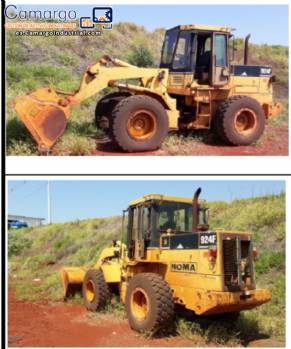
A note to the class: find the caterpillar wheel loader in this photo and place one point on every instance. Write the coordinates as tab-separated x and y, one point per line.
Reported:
195	87
169	256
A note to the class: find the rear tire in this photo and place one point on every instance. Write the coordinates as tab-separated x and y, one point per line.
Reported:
149	303
240	120
105	106
139	123
95	290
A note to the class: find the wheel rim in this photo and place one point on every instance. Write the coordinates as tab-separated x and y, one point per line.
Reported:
142	124
139	304
245	121
90	291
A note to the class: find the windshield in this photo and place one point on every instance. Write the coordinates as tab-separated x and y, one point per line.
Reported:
169	46
176	216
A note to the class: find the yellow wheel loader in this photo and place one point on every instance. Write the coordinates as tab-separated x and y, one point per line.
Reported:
195	87
169	256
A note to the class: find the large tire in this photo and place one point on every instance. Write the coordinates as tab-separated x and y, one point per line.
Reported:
95	290
139	123
240	120
105	106
149	303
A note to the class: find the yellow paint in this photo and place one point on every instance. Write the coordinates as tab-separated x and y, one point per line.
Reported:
195	277
111	271
110	266
209	302
206	27
160	197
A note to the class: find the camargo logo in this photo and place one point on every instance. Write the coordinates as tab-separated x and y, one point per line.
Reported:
183	267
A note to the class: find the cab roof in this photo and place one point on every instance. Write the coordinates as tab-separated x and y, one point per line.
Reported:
160	197
212	28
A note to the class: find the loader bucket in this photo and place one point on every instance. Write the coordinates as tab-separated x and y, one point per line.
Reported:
43	116
72	279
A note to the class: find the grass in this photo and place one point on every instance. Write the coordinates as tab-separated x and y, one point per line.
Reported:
34	62
264	216
283	118
182	143
37	254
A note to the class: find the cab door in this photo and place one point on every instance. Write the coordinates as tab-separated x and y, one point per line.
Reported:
139	250
220	70
138	231
182	68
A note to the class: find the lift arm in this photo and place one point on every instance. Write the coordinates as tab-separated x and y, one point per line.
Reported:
45	112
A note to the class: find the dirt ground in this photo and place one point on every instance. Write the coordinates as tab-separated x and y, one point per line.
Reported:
58	324
273	142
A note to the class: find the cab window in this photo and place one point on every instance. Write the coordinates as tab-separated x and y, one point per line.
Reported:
176	216
220	50
169	47
134	224
182	57
146	221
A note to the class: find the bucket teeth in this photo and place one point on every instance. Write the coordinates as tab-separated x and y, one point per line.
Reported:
42	115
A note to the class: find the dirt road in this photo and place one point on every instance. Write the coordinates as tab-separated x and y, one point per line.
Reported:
273	142
56	324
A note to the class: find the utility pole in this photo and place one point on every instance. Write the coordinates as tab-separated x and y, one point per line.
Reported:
49	218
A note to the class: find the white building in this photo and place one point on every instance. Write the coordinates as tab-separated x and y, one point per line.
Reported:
30	221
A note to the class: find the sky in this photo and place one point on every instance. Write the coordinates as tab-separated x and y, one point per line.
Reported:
266	23
72	200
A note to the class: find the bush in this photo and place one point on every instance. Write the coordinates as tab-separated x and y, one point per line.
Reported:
268	260
17	244
35	263
15	53
141	56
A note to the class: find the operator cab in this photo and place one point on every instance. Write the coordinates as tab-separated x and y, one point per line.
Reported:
198	50
154	215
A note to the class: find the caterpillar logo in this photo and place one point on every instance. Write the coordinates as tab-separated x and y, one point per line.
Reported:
183	267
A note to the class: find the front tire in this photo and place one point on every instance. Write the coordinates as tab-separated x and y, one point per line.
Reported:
139	123
240	120
149	303
95	290
105	106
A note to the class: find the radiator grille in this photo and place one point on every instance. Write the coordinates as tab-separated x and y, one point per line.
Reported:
177	80
230	263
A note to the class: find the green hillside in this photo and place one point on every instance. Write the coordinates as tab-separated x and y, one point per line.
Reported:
37	254
34	62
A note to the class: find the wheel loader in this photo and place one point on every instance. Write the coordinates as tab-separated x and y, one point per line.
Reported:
195	87
168	257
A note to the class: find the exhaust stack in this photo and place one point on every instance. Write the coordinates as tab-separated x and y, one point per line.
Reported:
195	211
246	51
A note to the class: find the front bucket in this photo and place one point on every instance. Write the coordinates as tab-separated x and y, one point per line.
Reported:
43	116
72	280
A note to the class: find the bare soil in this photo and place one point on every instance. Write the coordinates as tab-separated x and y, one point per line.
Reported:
58	324
273	143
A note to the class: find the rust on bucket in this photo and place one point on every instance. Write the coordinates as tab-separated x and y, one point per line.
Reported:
43	115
